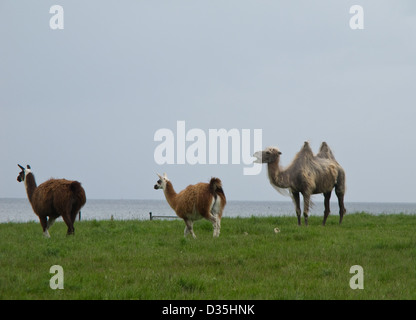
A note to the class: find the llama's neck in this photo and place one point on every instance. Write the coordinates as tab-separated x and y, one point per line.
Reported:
170	194
30	185
277	176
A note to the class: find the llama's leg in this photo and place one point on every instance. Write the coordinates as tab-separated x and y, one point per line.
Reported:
44	224
327	210
74	213
67	218
211	214
51	221
342	209
215	216
73	216
296	200
192	230
216	223
306	200
189	228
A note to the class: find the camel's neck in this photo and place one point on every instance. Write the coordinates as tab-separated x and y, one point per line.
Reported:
277	176
30	185
170	194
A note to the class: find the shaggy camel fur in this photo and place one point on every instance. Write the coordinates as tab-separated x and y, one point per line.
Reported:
308	174
202	200
53	198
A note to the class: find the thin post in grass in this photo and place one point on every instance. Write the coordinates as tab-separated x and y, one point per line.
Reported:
152	217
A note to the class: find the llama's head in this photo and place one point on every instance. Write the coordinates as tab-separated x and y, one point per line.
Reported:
268	155
22	175
161	183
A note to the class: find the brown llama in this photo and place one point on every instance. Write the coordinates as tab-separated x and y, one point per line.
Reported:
202	200
308	174
53	198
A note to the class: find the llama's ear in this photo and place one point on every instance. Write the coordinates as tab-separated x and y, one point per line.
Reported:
23	169
164	175
28	167
160	177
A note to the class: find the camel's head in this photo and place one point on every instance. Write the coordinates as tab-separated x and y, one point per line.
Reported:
268	155
22	175
161	183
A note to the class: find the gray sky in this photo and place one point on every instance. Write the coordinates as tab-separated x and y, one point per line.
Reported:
84	102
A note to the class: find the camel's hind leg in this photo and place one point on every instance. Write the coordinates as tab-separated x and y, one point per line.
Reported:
340	191
306	202
342	209
296	201
327	210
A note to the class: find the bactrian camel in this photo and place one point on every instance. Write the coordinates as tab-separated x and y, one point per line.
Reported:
308	174
202	200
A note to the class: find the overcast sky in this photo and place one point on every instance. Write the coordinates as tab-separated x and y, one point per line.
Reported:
84	103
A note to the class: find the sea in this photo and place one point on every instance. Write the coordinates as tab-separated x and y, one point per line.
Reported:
20	210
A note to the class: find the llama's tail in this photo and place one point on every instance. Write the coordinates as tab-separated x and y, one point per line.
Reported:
78	192
215	187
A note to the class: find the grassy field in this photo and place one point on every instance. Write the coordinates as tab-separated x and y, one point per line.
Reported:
152	259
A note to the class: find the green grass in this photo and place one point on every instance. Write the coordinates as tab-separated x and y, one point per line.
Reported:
152	259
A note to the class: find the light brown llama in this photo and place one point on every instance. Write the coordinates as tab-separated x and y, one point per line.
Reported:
202	200
307	174
53	198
